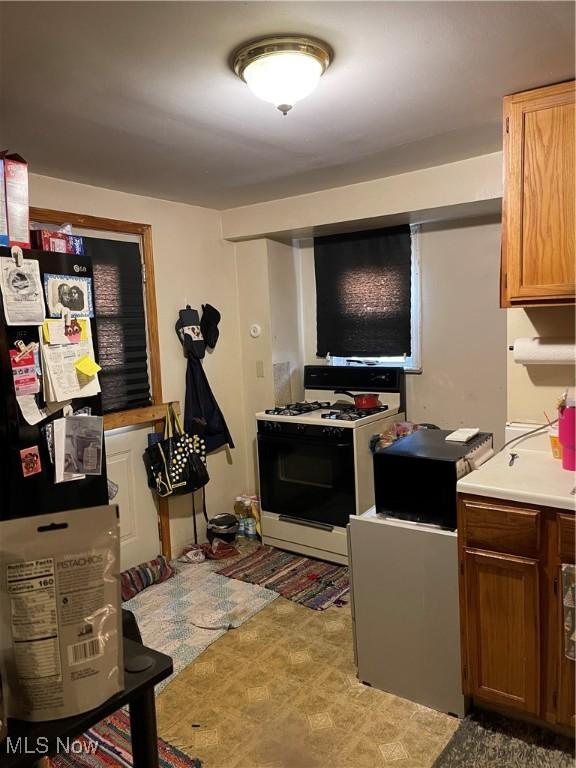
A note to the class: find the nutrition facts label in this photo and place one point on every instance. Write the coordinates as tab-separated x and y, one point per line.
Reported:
33	614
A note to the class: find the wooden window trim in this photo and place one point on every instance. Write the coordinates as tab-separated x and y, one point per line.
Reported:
151	414
136	415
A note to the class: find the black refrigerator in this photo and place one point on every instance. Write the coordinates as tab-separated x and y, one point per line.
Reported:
36	494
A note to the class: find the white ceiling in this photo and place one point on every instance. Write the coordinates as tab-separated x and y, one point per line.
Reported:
138	96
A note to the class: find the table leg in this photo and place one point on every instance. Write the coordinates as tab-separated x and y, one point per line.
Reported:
143	730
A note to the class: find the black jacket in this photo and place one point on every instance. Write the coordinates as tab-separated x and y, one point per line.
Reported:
201	405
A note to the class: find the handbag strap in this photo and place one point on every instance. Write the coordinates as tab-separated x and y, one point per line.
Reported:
173	426
194	520
204	503
168	424
178	428
204	512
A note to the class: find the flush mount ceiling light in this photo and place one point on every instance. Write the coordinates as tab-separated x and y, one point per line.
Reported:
282	69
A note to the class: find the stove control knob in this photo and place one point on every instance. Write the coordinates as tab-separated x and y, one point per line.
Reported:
300	427
269	425
333	431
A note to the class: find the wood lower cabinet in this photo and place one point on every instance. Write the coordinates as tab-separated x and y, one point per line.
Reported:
566	530
538	261
511	607
503	629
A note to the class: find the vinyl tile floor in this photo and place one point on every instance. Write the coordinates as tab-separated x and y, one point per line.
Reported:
281	692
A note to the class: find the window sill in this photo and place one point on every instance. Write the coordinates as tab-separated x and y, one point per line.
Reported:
135	416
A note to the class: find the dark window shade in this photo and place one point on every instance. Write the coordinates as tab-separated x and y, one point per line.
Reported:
363	293
120	323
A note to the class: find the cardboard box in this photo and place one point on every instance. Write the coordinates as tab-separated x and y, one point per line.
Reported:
46	240
16	190
77	244
3	214
59	242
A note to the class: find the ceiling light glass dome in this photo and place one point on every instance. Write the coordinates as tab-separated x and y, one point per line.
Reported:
282	70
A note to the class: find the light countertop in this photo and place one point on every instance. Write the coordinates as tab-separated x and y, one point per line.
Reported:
535	477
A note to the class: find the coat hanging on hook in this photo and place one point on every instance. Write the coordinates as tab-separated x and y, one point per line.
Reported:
200	403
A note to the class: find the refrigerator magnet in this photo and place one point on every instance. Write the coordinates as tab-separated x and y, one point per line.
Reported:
25	377
30	458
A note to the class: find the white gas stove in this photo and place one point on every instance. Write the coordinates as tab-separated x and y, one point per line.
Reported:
315	463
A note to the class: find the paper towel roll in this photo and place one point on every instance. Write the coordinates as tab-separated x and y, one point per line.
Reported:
538	351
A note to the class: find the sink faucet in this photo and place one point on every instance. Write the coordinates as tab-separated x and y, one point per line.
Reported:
513	457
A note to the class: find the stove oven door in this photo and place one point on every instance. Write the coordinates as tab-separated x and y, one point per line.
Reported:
308	478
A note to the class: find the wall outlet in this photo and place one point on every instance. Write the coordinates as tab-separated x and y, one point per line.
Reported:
259	369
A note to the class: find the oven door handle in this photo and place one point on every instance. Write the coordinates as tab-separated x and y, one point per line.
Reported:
307	523
295	439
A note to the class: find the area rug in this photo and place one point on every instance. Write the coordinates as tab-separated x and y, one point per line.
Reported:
185	614
484	740
108	745
303	580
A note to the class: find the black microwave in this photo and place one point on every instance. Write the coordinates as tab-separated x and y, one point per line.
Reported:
415	477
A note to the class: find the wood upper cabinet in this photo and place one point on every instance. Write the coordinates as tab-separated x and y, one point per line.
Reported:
538	214
503	629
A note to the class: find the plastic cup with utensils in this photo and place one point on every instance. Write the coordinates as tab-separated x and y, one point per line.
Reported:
555	445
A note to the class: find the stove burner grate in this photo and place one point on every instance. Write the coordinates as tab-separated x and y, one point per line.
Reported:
337	411
297	409
351	413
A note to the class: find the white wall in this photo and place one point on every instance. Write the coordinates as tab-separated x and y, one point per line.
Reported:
284	313
192	265
535	389
268	297
255	378
475	182
463	380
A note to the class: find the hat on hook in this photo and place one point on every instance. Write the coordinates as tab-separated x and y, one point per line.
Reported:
209	324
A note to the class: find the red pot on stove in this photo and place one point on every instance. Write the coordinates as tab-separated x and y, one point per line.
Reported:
361	401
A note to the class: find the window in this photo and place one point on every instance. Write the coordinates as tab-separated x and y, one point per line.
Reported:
140	235
120	323
368	297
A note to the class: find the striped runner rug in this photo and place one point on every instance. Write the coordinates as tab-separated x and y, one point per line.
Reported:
108	745
313	583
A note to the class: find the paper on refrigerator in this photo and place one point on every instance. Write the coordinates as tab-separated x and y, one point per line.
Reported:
62	380
77	447
22	292
63	469
57	332
32	413
83	444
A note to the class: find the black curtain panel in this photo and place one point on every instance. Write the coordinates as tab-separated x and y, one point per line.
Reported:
120	323
363	293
